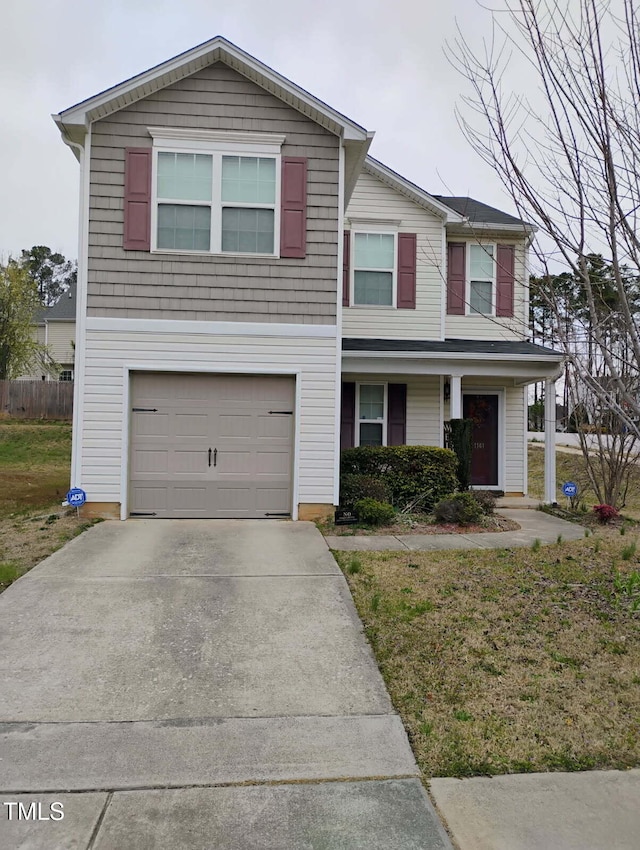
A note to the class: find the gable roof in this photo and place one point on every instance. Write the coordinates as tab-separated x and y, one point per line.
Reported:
396	181
65	307
482	214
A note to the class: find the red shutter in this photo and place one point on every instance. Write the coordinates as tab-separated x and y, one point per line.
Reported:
396	414
346	277
505	262
456	278
137	199
348	416
406	271
293	207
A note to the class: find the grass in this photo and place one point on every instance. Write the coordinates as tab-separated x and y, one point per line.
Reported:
34	478
509	660
571	467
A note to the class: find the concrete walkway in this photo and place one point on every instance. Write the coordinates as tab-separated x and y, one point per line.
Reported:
198	684
534	525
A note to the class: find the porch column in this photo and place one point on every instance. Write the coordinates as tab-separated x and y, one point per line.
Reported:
455	382
550	441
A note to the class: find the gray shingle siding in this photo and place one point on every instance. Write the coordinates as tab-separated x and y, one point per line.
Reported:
143	285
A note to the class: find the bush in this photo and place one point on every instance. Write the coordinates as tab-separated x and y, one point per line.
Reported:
459	508
373	512
355	487
422	474
486	500
606	513
460	440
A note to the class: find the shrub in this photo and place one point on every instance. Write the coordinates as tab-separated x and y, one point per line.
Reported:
459	508
460	441
605	513
372	512
410	473
354	487
486	500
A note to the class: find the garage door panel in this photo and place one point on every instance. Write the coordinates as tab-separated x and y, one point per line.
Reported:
250	474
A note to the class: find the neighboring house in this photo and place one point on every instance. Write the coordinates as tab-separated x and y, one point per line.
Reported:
255	291
55	328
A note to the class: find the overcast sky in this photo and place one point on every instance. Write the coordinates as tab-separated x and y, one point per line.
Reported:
380	62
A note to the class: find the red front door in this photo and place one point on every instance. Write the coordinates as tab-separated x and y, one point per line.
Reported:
483	410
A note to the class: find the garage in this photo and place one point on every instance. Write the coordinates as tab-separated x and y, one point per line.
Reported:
211	446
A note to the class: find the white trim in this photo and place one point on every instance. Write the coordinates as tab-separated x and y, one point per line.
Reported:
444	266
385	411
525	440
175	135
189	62
394	270
81	311
170	366
188	326
339	310
455	355
521	229
502	447
441	412
550	491
371	223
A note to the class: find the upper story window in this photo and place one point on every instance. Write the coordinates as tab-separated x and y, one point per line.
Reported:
480	279
374	265
379	266
216	192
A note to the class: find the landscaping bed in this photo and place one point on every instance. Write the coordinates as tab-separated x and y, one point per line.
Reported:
419	525
509	660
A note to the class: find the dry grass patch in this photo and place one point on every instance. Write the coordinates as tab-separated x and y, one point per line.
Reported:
509	660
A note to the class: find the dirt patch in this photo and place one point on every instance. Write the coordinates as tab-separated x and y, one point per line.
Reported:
420	526
510	660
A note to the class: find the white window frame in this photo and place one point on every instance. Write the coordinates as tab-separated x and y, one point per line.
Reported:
385	412
375	230
216	144
65	381
494	280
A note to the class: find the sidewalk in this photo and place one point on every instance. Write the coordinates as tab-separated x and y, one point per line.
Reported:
534	525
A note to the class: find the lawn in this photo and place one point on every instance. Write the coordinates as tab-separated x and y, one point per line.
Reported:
509	660
34	478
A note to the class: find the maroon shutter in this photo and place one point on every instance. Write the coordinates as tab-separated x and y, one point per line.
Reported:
137	199
397	415
348	416
456	278
505	279
346	277
406	271
293	207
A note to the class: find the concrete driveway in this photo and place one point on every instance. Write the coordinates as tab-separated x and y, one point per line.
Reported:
198	684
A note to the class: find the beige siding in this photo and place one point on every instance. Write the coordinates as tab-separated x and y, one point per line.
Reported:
423	404
479	327
374	199
107	352
136	284
60	341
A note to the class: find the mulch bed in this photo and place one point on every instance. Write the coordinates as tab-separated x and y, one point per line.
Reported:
417	526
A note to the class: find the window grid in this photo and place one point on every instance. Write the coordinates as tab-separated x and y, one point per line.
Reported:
374	275
264	238
374	405
481	279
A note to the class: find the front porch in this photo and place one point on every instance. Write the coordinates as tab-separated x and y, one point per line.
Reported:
393	393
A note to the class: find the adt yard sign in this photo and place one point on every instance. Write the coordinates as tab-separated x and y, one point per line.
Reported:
570	489
76	497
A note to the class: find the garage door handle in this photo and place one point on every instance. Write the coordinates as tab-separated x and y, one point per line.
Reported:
215	457
209	457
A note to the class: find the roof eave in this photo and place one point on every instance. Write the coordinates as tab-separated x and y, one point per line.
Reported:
524	228
454	355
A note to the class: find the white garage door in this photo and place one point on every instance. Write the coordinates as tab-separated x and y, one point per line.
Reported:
211	445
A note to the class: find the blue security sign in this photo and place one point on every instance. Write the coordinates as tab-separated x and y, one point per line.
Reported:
76	497
570	489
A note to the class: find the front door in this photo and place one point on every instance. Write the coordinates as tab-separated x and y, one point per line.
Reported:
483	411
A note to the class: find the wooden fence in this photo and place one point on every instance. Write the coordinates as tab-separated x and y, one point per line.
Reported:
36	399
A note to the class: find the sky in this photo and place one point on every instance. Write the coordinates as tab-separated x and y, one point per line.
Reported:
380	62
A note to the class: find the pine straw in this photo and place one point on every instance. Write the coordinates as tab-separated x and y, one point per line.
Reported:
509	660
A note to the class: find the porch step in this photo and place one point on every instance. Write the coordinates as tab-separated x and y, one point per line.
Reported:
515	502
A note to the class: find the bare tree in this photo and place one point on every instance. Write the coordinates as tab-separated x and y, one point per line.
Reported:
569	156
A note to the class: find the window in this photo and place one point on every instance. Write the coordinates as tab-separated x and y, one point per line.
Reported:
374	269
65	375
210	198
372	419
481	279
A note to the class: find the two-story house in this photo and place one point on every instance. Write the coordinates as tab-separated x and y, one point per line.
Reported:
254	291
